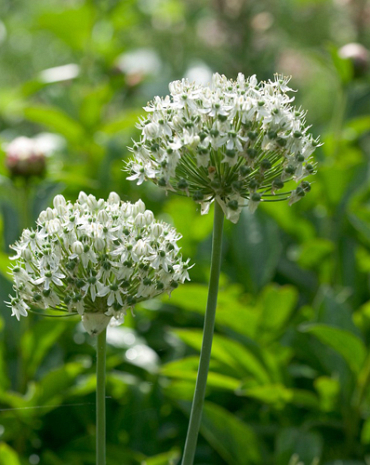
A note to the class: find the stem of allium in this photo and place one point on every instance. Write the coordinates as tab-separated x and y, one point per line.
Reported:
100	398
208	329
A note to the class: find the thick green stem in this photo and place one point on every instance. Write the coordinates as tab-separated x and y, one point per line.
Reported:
100	398
205	355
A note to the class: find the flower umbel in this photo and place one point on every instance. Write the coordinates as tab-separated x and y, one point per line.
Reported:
236	142
96	258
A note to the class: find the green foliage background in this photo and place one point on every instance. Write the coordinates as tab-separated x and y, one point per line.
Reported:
290	371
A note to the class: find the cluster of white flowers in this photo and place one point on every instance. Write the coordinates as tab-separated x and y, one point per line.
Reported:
236	142
96	258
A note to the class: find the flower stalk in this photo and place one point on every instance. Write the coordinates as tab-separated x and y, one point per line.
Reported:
100	398
208	330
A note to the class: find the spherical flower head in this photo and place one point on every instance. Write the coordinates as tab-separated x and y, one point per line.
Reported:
24	158
95	258
237	142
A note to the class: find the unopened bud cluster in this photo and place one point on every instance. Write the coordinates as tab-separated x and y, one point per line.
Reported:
24	158
96	258
237	142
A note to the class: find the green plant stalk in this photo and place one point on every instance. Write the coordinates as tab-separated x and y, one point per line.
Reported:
24	206
208	329
100	398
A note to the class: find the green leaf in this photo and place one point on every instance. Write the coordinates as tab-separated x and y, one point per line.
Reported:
168	458
233	439
255	249
187	369
4	265
8	456
56	120
231	310
279	395
349	346
276	305
122	122
53	386
238	361
37	341
72	25
313	252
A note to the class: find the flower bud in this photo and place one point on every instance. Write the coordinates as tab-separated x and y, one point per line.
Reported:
151	131
114	198
99	244
42	217
49	214
54	226
103	216
140	220
157	230
138	207
141	248
59	203
77	248
27	255
92	202
358	55
24	158
82	197
149	217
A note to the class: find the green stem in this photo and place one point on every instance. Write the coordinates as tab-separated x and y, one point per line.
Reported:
205	355
100	398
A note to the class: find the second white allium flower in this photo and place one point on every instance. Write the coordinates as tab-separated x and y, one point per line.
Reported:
236	142
96	258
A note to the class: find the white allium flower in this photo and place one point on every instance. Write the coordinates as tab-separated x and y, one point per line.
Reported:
236	142
95	258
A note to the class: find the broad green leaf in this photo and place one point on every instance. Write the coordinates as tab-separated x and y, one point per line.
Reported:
8	456
53	386
237	358
279	395
255	249
359	125
231	311
313	252
93	104
187	369
349	346
168	458
275	305
122	122
72	25
37	341
4	265
56	120
233	439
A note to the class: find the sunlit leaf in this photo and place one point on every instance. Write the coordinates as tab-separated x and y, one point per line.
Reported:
168	458
349	346
187	369
237	359
56	120
8	456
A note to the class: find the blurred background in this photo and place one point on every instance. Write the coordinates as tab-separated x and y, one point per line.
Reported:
290	374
